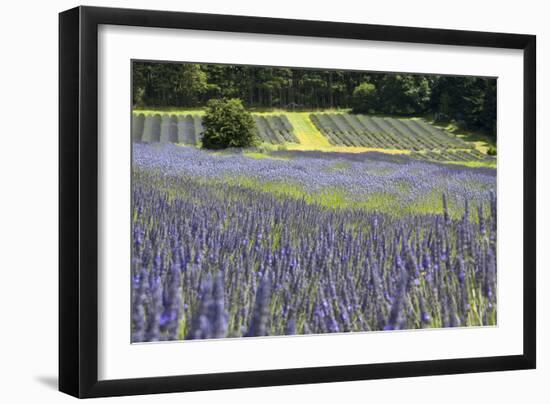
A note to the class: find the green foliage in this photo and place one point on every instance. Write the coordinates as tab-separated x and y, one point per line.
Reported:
403	94
227	124
365	98
392	94
167	84
492	151
470	102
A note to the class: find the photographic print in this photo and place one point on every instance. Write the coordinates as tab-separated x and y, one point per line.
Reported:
279	201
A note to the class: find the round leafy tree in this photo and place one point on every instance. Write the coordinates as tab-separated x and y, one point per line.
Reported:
227	124
364	98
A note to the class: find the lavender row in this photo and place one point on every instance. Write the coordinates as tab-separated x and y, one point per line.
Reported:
188	129
275	129
185	129
472	155
221	260
344	129
360	177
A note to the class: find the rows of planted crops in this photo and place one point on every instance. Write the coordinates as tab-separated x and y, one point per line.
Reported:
310	244
187	129
466	155
378	132
422	139
275	129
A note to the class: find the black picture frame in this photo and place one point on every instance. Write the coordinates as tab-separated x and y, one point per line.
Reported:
78	200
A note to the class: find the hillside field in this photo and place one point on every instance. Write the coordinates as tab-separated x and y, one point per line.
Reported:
327	131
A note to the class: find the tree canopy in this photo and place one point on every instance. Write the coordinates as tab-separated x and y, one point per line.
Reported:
227	124
365	98
470	101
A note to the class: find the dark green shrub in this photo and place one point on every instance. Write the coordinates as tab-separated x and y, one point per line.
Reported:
365	98
492	151
228	124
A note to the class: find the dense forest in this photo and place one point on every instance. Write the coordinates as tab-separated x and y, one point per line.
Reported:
469	101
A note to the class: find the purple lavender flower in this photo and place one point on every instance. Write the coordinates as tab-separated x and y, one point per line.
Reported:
260	316
214	255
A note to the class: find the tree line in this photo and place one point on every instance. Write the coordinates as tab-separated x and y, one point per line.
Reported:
469	101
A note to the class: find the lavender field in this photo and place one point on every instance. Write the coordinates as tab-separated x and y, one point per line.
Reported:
225	245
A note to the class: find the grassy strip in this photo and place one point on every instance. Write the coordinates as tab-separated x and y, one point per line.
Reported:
309	137
336	198
473	164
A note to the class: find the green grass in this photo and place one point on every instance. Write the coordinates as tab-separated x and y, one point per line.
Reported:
481	142
337	198
261	156
340	166
307	134
473	164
